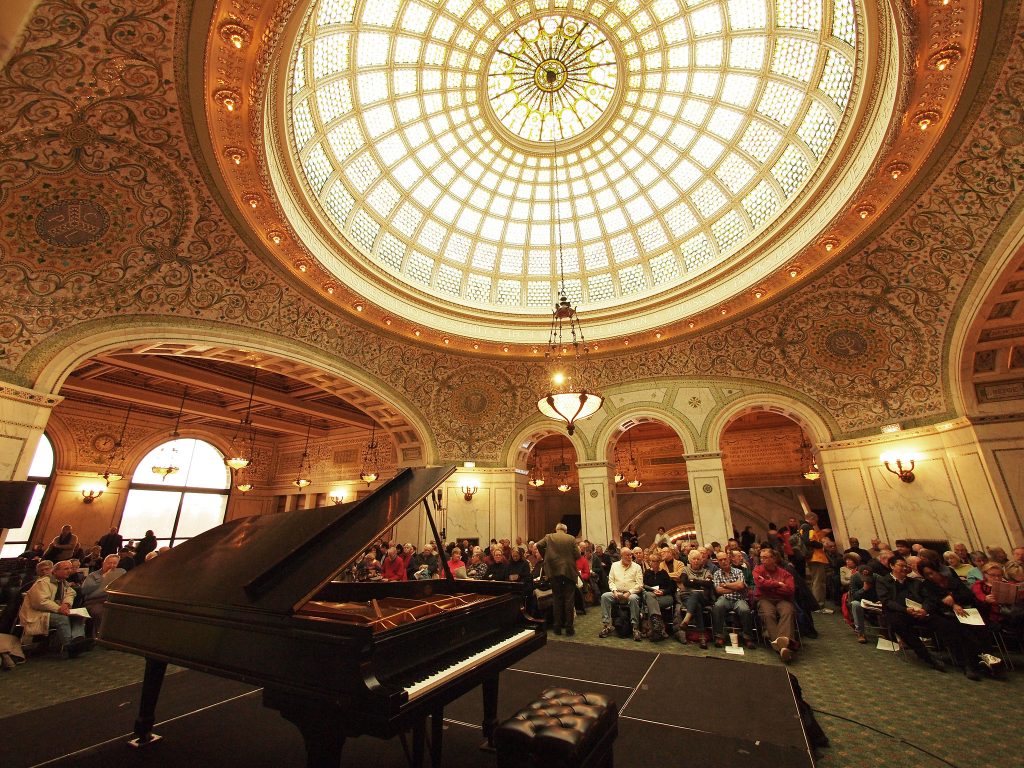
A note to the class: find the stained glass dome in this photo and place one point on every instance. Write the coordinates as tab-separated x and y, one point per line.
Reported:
435	137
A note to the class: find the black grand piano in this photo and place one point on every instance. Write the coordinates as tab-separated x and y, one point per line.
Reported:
271	601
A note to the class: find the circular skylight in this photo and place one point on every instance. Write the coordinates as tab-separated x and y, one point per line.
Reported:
698	126
551	78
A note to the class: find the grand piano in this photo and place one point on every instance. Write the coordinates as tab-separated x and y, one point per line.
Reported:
271	601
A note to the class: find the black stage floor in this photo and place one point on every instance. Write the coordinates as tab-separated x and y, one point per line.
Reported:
689	711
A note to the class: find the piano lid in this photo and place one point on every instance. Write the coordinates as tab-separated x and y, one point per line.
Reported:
276	562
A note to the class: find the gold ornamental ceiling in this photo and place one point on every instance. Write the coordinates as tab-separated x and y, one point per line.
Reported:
433	164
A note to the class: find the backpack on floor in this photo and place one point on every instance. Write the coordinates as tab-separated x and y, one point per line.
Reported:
620	620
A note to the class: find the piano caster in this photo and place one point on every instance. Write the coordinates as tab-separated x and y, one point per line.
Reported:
141	742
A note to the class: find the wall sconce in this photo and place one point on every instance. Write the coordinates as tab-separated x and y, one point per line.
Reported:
337	497
89	495
904	465
468	491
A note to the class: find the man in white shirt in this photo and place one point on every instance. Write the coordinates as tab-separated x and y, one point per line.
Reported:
625	584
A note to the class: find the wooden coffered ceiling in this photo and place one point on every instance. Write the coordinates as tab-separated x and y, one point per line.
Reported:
288	395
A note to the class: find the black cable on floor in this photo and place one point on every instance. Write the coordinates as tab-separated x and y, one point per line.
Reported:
891	736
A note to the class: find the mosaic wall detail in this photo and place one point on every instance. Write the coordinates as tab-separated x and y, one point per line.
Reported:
106	220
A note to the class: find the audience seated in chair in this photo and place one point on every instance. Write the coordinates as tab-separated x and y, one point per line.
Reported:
659	593
47	605
774	590
625	584
94	589
697	585
730	588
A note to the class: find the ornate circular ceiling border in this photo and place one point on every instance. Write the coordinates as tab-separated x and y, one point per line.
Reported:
940	34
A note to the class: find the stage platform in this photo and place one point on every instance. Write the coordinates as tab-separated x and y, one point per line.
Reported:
690	711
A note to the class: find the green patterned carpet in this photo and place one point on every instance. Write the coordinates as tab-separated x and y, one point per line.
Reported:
877	690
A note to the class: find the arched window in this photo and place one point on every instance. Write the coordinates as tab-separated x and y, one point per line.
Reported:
41	471
183	504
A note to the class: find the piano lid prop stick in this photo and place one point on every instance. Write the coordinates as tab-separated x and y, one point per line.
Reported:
376	608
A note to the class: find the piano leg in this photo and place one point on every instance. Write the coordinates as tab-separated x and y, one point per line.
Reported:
490	690
151	682
436	735
319	727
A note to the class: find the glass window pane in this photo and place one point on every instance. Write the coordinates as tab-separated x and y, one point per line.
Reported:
42	461
18	537
149	510
200	512
207	469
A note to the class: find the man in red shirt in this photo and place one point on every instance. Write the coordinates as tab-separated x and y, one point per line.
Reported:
393	567
774	589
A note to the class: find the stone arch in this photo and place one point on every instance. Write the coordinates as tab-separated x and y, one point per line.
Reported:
789	407
616	425
651	511
53	362
517	448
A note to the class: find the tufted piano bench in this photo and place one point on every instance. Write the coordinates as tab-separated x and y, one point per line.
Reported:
562	729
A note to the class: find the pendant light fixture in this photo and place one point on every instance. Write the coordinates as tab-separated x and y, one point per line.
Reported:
812	472
569	397
302	478
634	480
619	474
536	475
242	442
370	468
115	461
562	473
168	459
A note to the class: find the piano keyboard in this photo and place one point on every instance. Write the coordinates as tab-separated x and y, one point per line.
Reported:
440	676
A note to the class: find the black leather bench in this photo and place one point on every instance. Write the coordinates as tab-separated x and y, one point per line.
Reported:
562	729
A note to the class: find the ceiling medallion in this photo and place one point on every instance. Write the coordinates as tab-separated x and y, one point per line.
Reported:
555	70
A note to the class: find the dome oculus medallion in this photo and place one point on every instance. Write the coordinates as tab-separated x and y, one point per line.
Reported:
421	133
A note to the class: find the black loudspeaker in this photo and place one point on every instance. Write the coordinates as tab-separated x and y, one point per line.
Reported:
15	496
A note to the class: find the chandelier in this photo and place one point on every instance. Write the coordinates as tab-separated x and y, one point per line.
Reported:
619	474
807	459
536	476
243	441
168	459
302	477
562	474
110	474
370	468
242	481
634	480
570	396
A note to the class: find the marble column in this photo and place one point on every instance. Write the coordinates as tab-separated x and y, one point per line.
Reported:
711	514
597	501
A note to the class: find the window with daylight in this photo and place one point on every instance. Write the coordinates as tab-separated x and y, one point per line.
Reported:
41	471
187	502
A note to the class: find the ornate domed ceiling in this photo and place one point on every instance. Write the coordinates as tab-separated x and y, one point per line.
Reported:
442	142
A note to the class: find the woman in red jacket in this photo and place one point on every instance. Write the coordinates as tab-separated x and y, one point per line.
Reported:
583	566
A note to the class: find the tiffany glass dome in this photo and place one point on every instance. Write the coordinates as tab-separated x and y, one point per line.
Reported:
468	149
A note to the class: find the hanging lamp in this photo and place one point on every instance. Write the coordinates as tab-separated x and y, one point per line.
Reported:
536	476
110	474
812	472
634	481
563	473
169	465
370	468
569	397
240	452
302	477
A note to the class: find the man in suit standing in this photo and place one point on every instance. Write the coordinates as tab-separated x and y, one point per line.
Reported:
559	551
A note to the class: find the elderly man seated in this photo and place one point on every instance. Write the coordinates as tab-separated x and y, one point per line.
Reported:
625	584
47	605
730	586
94	589
774	589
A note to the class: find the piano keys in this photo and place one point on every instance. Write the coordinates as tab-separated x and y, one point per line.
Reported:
270	601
